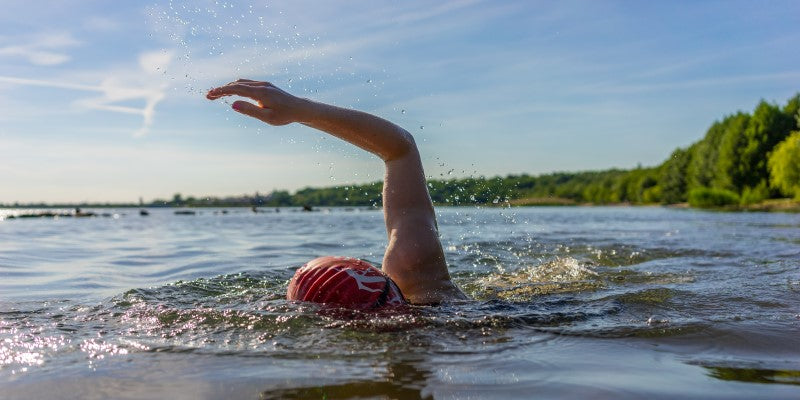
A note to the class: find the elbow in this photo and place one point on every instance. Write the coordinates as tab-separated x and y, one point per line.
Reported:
402	147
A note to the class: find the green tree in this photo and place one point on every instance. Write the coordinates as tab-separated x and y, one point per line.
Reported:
792	109
278	198
177	200
729	172
768	127
673	177
632	185
711	198
784	166
702	168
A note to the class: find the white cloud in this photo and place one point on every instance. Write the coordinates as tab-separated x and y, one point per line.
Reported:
117	87
243	43
44	49
115	91
155	61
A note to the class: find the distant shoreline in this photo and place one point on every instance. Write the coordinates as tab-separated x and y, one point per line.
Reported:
769	205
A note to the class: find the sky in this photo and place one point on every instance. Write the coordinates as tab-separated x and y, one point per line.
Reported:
103	101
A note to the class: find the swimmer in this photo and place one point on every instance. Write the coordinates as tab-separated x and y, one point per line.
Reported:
414	268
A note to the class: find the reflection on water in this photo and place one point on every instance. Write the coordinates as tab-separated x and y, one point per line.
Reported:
403	378
94	304
755	375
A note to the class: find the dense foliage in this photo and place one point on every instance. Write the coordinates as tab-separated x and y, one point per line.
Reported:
733	158
710	197
784	166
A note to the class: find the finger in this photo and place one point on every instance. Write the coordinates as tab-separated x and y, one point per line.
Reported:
248	108
252	82
262	113
211	96
237	89
248	82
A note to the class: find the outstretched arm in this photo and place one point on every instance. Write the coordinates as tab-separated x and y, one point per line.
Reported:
414	258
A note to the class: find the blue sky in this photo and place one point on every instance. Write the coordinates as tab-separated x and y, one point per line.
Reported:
103	100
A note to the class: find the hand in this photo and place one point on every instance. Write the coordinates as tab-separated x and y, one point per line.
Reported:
274	106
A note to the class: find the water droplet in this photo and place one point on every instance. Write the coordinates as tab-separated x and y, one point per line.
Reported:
422	127
403	111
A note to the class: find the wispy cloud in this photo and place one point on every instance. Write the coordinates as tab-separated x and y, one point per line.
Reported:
116	89
43	49
52	84
251	43
429	11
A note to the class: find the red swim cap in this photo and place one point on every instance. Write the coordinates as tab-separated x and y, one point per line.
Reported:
344	281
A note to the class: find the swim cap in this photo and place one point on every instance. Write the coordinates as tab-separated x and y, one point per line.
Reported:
344	281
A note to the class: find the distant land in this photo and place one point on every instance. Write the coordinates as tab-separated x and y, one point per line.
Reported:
747	161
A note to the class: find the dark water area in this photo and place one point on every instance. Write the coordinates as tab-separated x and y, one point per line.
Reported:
569	303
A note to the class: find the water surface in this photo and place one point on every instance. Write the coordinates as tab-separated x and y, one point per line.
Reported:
569	303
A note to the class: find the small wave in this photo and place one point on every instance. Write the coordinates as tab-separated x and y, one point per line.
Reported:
622	255
654	296
560	275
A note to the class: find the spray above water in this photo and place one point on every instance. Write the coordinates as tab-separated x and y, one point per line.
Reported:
214	41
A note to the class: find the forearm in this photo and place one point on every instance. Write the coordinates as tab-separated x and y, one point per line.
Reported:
374	134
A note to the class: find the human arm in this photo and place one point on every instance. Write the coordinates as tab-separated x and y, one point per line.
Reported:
414	258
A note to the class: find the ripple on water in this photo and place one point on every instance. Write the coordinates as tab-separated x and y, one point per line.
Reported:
713	304
511	255
246	314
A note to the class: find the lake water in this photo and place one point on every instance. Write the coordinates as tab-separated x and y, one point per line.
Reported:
570	303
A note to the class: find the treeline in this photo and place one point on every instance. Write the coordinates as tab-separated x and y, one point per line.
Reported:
744	158
601	187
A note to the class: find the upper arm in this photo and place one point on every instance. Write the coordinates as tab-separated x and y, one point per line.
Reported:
414	257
